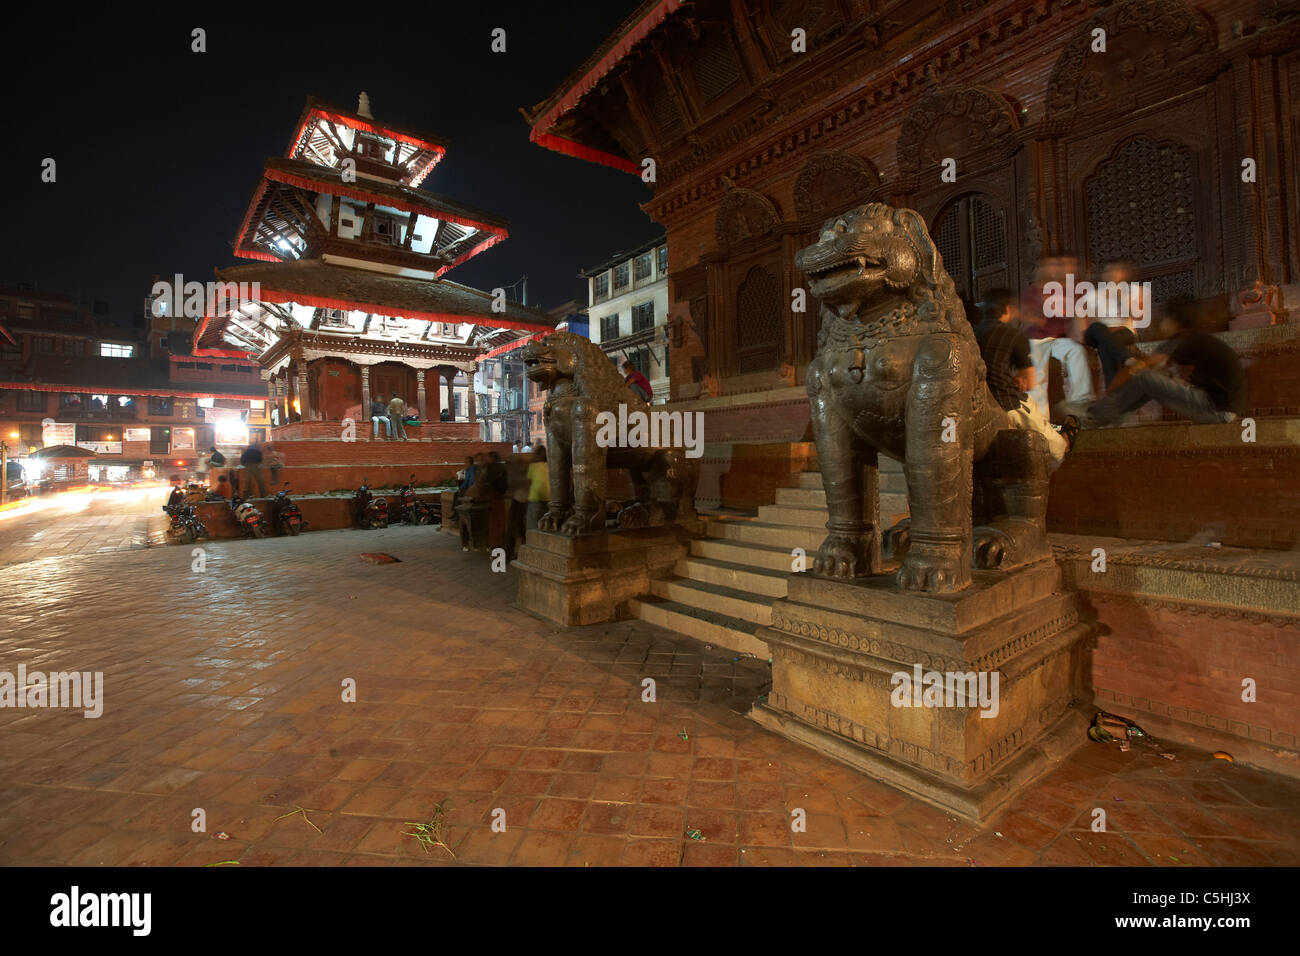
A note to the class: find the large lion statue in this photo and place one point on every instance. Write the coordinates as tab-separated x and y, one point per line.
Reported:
898	371
581	383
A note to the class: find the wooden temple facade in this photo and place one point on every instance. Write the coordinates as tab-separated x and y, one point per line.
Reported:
1136	152
345	300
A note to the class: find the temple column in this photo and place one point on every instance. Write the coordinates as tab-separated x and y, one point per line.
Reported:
365	423
270	399
305	412
471	404
419	393
449	376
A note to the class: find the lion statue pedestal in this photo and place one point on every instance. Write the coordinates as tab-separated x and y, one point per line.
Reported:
572	570
949	671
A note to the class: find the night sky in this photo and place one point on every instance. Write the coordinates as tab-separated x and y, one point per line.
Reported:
159	148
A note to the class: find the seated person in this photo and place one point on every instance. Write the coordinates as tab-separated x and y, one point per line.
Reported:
1053	337
1197	375
1112	336
1010	371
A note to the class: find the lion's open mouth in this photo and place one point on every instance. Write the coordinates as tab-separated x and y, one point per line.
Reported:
846	267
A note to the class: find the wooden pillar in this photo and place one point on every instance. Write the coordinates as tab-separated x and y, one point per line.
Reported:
450	376
305	412
471	401
419	393
365	393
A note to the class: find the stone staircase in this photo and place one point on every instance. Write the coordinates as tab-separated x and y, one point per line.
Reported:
722	592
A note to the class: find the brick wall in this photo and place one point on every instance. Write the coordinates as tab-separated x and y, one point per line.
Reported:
1178	671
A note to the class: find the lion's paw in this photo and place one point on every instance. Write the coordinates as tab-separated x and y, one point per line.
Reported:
551	521
936	568
1008	543
841	556
577	523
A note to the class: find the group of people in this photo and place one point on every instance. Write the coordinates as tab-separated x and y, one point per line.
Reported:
525	479
1192	372
251	461
392	415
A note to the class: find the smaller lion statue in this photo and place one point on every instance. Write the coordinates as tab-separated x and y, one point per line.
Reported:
581	384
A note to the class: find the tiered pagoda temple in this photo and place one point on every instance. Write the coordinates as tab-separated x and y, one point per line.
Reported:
351	301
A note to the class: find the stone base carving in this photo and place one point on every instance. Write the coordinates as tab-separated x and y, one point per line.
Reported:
838	645
590	578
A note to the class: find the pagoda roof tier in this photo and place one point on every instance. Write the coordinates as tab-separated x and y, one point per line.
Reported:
306	345
310	282
275	212
316	139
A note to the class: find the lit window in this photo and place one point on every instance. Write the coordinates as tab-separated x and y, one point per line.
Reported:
112	350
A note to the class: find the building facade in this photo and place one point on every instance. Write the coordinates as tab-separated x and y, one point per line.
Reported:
628	311
68	377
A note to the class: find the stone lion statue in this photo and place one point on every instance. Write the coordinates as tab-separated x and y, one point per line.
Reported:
898	371
582	383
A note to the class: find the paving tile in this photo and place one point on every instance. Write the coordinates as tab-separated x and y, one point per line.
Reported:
249	727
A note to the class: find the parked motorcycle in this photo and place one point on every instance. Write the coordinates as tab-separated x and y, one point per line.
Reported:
285	516
186	525
250	520
414	511
371	511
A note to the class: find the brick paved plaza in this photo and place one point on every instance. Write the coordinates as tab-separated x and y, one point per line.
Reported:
223	691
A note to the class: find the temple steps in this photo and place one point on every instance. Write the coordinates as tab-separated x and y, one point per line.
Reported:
709	627
722	592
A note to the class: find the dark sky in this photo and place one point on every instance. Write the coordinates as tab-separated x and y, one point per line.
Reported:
159	149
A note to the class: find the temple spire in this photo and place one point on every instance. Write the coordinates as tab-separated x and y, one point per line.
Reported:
363	106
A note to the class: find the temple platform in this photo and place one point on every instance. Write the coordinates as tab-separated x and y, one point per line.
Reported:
316	465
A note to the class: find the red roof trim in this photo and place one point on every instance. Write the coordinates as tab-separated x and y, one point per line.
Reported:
134	390
569	148
616	53
326	302
353	122
355	192
511	346
487	243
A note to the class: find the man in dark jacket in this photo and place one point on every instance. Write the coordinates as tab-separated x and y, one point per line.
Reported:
1209	387
251	459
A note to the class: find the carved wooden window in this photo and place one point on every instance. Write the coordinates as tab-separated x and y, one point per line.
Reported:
758	321
1140	206
663	108
971	236
717	68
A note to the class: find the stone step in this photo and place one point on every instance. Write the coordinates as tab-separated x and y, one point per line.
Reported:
801	497
794	517
704	596
754	556
770	535
709	627
759	581
808	479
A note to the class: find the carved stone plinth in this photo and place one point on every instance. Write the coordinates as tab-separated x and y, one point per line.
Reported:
589	579
838	644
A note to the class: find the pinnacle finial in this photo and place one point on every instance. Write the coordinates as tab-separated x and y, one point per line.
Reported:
363	106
